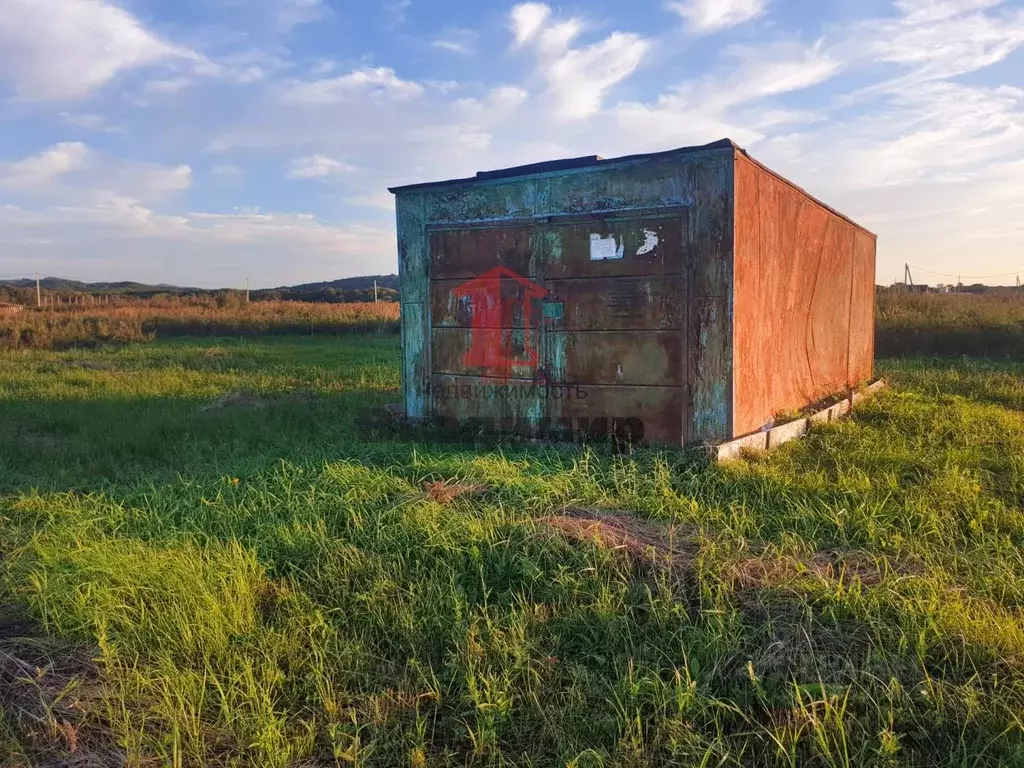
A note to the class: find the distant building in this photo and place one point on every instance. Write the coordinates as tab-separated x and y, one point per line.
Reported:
904	288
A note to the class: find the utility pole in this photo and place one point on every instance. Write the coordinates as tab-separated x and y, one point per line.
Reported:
247	290
908	279
375	290
39	292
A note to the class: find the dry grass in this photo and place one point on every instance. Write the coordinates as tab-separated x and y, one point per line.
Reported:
88	327
50	692
445	492
983	325
641	540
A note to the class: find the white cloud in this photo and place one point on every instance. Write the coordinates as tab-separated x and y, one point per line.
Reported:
227	172
935	134
377	82
209	244
577	77
323	67
71	172
918	11
705	16
397	12
86	212
772	71
527	19
292	13
46	166
58	49
461	41
381	199
169	85
735	102
933	41
90	122
316	167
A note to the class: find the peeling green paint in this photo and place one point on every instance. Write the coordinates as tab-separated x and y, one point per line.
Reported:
414	279
701	182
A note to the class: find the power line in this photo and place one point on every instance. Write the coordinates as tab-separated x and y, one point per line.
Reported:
969	277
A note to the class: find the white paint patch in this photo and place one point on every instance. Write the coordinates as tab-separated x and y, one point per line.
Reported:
602	248
650	243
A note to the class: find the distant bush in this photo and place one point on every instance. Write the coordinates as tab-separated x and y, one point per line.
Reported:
86	327
984	325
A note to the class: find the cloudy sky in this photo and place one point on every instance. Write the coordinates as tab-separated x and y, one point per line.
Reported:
206	141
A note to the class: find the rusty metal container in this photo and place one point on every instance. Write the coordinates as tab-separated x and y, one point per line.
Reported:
680	297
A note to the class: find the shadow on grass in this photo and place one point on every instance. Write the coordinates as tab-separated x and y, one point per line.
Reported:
983	342
89	445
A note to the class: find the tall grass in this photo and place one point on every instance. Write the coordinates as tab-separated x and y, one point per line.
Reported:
264	583
906	324
982	325
85	327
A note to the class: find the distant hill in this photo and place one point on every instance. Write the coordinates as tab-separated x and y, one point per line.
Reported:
343	290
347	283
346	289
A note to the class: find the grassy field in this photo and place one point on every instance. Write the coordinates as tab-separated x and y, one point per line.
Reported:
89	326
950	324
207	559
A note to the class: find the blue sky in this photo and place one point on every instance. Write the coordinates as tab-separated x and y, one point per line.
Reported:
205	141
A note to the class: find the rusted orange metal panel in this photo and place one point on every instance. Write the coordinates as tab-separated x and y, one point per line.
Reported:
803	298
829	331
612	304
601	310
753	378
611	358
469	253
647	414
862	310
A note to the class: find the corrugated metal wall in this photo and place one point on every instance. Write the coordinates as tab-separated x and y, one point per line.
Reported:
803	300
648	334
750	299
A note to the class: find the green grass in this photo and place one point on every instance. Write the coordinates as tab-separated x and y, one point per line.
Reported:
264	582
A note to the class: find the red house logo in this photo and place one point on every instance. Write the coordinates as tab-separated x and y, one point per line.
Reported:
501	325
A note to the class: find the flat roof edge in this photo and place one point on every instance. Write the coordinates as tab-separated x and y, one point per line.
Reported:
595	161
568	164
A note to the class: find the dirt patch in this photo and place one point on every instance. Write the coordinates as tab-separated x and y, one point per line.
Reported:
50	691
771	569
640	539
245	400
445	492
